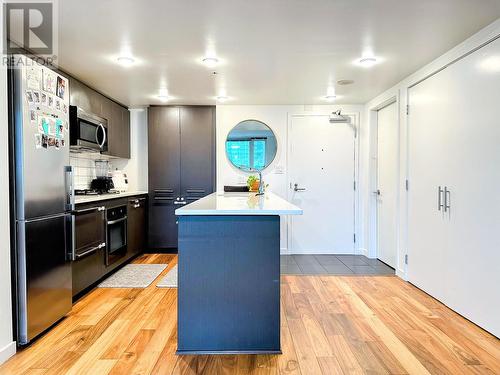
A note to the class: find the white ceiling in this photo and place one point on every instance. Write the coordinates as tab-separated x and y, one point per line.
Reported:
271	51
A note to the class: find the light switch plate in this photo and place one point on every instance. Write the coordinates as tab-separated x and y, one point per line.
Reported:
279	169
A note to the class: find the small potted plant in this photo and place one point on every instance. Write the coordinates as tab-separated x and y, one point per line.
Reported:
253	183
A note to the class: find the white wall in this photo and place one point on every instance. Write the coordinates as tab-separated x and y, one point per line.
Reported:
137	166
7	346
400	93
276	117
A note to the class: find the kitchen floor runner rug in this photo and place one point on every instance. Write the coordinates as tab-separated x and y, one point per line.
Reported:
134	276
170	279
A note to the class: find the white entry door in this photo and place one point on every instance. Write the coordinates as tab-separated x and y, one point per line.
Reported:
387	184
321	182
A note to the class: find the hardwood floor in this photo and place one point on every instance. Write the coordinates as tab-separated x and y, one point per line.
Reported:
330	325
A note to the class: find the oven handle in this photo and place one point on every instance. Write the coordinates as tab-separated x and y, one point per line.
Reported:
111	222
87	210
89	251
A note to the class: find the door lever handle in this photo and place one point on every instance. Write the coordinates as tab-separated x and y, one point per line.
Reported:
296	188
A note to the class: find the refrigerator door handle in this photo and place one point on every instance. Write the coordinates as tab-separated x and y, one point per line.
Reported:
70	195
70	238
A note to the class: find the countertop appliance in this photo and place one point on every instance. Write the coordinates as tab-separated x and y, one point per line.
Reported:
42	197
120	180
116	234
89	132
102	185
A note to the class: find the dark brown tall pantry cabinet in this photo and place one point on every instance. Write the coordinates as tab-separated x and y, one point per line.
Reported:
181	152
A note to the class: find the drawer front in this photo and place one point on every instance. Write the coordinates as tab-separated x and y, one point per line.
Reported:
89	231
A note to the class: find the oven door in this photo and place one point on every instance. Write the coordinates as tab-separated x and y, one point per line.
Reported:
116	240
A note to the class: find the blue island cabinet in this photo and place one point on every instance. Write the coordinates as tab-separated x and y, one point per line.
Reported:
229	284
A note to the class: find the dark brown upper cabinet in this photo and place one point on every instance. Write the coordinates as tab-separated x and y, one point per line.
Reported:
181	165
118	116
119	131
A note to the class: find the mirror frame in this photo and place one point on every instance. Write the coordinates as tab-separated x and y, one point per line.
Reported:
244	169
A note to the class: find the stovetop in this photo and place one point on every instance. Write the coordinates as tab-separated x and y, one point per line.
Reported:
94	192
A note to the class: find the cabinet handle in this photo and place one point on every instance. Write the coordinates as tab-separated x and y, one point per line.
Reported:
440	199
447	199
137	200
87	210
89	251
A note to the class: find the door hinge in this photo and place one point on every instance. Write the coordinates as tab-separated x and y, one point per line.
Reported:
406	258
354	185
354	237
407	109
407	185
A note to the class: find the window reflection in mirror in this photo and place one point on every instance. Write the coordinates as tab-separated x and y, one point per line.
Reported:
251	145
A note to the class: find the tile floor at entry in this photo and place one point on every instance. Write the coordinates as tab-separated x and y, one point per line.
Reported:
333	265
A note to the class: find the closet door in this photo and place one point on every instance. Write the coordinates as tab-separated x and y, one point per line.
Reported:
427	222
454	141
472	89
164	175
197	152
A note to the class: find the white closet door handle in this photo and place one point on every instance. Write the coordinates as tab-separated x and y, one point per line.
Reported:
440	198
447	199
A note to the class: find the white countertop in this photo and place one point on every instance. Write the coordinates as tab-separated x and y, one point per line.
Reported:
102	197
239	204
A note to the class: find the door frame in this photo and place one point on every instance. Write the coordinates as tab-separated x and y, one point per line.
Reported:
372	235
373	198
356	126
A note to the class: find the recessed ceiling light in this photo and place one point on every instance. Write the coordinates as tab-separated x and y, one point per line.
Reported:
344	82
367	62
125	61
210	62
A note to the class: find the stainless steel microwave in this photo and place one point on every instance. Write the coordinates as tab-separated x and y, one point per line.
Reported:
88	132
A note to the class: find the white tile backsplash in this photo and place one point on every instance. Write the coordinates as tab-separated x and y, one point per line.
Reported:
84	167
83	170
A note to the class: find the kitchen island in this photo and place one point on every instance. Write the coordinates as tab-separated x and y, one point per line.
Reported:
229	274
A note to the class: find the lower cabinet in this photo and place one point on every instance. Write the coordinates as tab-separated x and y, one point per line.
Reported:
90	239
87	270
136	226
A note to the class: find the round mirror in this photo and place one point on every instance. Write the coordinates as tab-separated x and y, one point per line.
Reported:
251	145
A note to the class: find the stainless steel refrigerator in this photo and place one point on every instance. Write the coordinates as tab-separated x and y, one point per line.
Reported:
42	197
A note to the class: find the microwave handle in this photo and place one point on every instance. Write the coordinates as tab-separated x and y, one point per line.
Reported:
101	145
104	135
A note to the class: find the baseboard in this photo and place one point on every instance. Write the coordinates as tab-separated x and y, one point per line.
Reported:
315	252
362	251
7	351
